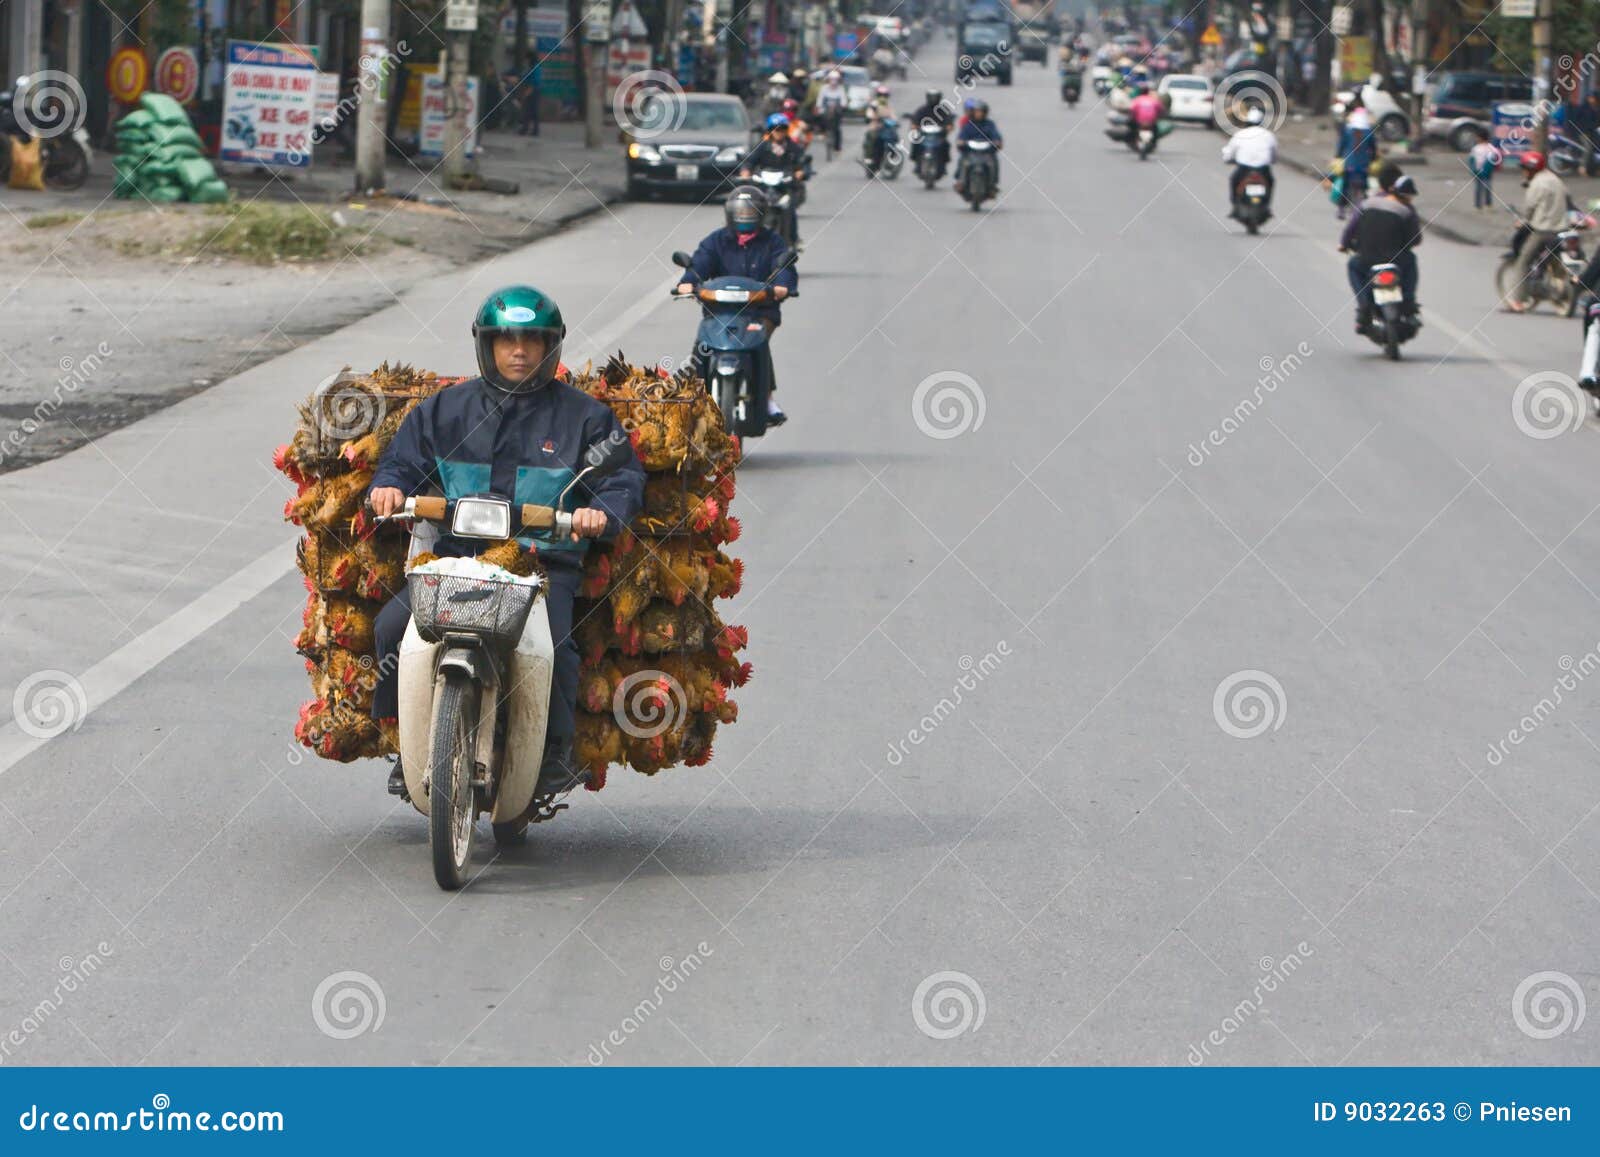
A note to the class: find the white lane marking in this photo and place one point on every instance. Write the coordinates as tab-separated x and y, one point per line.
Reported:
119	670
604	338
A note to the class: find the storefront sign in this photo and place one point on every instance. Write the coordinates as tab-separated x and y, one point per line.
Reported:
436	113
178	74
269	100
127	74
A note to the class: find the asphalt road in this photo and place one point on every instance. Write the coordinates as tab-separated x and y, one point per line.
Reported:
1219	787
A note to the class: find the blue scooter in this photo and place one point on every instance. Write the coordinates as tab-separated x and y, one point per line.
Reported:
727	345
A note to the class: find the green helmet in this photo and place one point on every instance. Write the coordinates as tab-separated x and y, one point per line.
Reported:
524	309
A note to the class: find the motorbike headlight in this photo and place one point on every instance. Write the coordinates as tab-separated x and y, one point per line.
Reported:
482	518
643	152
729	155
727	365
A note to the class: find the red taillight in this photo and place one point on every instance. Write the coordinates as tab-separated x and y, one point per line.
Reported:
1387	278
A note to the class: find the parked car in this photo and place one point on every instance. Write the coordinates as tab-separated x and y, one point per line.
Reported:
1461	101
1189	96
699	155
1388	117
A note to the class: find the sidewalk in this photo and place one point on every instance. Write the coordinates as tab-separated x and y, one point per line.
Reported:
1306	144
557	177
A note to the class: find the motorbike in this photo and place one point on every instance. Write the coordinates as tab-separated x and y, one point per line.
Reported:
65	157
1589	370
1071	86
978	174
783	195
1144	142
889	167
1553	277
1393	323
727	345
928	153
1250	201
475	671
1569	154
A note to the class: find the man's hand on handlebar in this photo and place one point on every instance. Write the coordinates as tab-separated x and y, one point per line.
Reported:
587	522
780	291
684	287
386	500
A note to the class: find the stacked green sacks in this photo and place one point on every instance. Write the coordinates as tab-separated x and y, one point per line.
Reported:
159	156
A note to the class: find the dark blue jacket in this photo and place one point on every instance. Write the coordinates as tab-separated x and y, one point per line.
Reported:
721	255
1358	148
474	439
985	129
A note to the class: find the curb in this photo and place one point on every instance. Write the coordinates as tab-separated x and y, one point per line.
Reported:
1317	174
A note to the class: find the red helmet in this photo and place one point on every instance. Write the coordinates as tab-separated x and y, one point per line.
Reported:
791	106
1532	161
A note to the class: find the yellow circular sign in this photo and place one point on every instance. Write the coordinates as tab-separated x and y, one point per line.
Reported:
127	74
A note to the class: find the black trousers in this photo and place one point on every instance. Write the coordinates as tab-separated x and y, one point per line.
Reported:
564	576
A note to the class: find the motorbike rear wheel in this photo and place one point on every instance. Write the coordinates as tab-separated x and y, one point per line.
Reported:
1506	280
1563	291
452	760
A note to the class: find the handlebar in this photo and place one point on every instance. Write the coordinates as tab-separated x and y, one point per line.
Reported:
431	508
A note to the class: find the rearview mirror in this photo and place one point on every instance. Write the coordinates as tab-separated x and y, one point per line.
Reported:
680	259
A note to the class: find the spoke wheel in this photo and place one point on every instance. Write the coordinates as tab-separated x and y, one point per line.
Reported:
452	802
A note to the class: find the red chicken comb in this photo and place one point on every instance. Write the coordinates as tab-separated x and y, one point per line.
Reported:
699	760
735	528
597	779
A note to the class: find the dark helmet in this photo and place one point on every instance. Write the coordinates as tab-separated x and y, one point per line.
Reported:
980	106
1404	186
932	96
744	208
518	309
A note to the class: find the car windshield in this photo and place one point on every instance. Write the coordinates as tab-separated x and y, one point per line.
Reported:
854	76
983	35
1184	82
711	115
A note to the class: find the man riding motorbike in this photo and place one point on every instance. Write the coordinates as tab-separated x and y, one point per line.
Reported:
1384	230
1544	214
978	126
932	120
744	248
878	111
518	431
1252	150
778	150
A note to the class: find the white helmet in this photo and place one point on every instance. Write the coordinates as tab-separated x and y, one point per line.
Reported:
1253	115
777	78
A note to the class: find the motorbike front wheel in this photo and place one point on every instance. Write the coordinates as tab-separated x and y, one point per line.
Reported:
1506	279
727	390
452	760
1562	290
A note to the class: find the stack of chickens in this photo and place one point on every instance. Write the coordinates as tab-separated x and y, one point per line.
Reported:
658	662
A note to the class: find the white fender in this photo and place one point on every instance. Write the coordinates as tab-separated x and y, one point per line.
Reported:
531	669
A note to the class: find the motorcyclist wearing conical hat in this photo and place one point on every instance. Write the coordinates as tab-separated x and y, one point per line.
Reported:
520	431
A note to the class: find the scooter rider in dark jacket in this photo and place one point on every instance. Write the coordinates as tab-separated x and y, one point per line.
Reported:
932	122
743	248
778	150
520	432
1385	230
977	126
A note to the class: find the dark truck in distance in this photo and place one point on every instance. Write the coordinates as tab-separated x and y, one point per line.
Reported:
984	49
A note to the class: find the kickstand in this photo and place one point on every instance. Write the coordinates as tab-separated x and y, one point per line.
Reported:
545	807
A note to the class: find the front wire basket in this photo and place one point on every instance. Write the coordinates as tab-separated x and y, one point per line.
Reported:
495	610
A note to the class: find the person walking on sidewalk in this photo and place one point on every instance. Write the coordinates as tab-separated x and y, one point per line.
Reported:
1483	160
1584	121
530	101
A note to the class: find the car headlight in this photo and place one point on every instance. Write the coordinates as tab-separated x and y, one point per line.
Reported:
643	152
729	155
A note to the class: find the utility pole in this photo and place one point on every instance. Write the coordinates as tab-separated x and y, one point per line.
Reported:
1419	70
1543	81
372	107
596	35
461	21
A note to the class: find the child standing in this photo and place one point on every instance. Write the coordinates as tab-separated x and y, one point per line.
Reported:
1483	160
